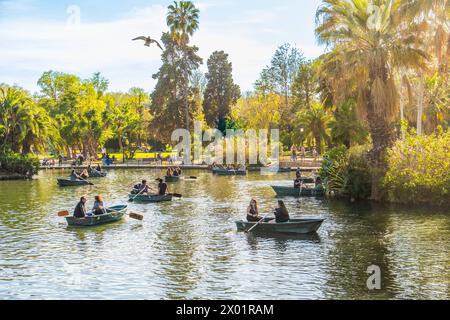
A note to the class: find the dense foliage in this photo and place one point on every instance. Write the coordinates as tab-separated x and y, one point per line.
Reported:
26	165
419	169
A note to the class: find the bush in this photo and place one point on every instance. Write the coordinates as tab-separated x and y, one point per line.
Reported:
419	170
347	172
26	165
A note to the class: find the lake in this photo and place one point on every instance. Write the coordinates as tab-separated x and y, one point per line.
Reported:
189	248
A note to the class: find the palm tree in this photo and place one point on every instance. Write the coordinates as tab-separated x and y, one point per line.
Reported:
366	41
183	21
346	128
315	121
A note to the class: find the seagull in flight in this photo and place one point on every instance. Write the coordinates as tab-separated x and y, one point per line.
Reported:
149	41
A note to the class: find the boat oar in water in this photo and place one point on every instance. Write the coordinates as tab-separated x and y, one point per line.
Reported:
140	192
90	183
259	222
176	195
132	215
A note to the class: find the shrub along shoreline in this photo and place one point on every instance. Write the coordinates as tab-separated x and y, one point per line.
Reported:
417	171
14	166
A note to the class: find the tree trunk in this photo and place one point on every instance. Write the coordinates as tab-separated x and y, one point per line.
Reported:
382	138
420	105
186	103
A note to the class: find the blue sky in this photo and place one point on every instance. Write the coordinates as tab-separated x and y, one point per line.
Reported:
40	35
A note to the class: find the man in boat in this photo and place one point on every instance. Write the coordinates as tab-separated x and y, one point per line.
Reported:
141	188
99	168
281	213
253	212
74	176
89	169
298	173
80	209
298	183
162	187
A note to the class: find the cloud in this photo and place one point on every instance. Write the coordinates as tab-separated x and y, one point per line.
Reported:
30	47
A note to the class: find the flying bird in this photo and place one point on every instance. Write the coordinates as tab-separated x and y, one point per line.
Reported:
149	41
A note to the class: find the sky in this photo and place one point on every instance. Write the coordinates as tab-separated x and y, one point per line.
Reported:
87	36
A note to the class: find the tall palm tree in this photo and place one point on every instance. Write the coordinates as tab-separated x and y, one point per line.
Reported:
183	21
364	37
315	121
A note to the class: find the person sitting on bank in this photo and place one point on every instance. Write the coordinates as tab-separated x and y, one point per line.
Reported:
99	207
74	176
80	209
162	187
253	212
281	213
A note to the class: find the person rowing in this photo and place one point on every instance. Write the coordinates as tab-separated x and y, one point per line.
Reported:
298	183
74	176
253	212
141	188
98	168
84	175
281	213
80	209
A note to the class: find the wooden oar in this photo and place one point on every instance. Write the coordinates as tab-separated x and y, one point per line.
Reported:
176	195
131	200
259	222
132	215
90	183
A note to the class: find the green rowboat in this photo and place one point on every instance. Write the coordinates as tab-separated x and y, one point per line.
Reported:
293	226
225	172
97	174
151	198
296	192
113	214
72	183
172	178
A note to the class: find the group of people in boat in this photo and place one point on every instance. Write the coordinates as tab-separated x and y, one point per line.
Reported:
281	213
145	188
230	167
97	210
174	172
85	173
298	182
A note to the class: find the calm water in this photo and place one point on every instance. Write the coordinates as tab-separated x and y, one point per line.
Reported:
189	249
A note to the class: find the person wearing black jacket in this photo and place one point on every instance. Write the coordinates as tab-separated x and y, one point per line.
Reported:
80	209
281	213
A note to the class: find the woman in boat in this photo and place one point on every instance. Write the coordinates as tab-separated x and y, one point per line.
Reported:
180	172
80	209
74	176
98	208
162	187
253	212
281	213
176	173
89	169
84	174
169	172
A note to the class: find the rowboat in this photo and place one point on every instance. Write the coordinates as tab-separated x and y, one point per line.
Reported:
72	183
112	214
293	226
97	174
172	178
151	198
226	172
296	192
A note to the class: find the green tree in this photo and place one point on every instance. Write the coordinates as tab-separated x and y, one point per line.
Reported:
183	21
221	91
365	40
315	122
167	96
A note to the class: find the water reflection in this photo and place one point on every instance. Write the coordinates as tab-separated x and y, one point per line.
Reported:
189	249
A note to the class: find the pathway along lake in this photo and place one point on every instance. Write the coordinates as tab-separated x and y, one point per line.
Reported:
189	249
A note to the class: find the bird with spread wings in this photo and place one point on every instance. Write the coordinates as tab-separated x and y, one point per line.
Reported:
149	41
